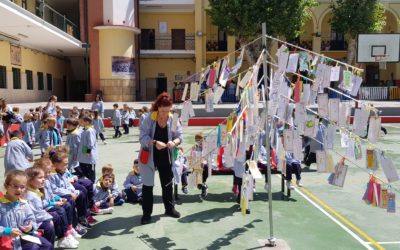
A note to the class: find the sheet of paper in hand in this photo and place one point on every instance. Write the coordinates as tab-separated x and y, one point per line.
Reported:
323	105
374	129
334	109
360	122
388	168
293	61
321	161
32	239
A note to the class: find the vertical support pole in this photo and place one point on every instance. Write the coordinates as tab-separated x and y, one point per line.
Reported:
271	239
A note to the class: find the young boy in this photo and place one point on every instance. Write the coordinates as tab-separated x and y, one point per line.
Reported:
125	119
199	147
133	184
116	121
73	141
108	169
17	118
49	135
87	151
60	121
103	199
28	130
18	153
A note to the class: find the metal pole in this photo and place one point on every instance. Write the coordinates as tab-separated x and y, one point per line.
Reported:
271	239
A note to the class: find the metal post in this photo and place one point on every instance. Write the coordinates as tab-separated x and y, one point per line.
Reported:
271	239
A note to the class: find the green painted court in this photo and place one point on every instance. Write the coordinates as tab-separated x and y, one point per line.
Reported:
216	221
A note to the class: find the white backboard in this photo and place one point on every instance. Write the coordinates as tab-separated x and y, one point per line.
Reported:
378	48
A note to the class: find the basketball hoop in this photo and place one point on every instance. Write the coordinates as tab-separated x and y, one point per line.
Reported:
381	58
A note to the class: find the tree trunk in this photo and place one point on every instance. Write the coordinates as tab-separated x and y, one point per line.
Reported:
351	51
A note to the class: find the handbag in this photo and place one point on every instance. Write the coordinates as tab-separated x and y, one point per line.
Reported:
144	155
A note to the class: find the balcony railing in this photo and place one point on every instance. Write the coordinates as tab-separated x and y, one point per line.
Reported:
379	93
217	45
168	43
50	15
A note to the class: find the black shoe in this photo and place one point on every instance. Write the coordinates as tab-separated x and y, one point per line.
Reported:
145	220
119	135
185	190
85	223
173	213
248	211
204	189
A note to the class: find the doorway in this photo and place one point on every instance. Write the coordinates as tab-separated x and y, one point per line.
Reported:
178	39
161	85
372	74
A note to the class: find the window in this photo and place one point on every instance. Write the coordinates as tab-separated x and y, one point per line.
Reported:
16	78
3	77
24	5
49	82
147	38
40	81
29	79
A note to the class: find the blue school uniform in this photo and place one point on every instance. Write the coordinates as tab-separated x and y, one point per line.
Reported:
87	151
73	140
28	130
61	186
98	125
116	118
101	195
134	179
17	155
34	198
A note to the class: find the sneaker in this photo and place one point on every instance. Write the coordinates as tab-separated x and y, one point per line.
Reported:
105	143
80	229
298	183
185	190
173	213
289	185
248	211
91	220
75	234
72	238
204	190
120	202
109	210
266	187
66	243
95	210
235	189
145	220
85	223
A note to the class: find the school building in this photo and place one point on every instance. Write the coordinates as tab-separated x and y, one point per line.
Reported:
131	50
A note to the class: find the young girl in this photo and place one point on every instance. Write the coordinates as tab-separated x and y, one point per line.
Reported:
55	204
60	121
28	130
49	134
73	141
52	224
18	153
108	169
61	186
16	216
103	199
98	126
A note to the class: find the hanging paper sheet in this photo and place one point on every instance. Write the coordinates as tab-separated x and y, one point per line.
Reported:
194	91
388	168
304	59
323	105
218	94
175	118
335	73
329	166
344	139
350	149
300	117
315	60
288	139
255	172
238	64
292	64
326	81
211	78
185	92
297	146
305	97
311	126
372	159
357	149
187	111
374	129
356	81
246	78
282	108
321	161
223	78
334	109
391	202
274	89
209	100
283	56
344	113
338	177
330	136
296	96
360	122
347	83
319	77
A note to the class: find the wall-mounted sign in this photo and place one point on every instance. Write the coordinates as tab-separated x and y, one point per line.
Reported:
15	54
123	66
163	27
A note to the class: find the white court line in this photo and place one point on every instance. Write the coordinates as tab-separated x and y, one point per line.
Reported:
355	236
386	243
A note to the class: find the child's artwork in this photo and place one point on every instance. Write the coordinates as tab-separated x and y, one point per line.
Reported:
338	177
388	168
347	83
344	113
334	109
335	73
319	77
344	140
356	81
185	92
309	126
292	64
300	117
194	91
329	162
305	97
323	105
174	124
374	129
288	139
246	78
255	172
350	149
326	82
282	108
357	150
360	122
209	101
371	158
297	146
330	136
321	161
391	202
384	193
283	56
218	94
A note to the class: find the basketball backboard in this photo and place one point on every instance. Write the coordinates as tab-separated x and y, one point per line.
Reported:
378	47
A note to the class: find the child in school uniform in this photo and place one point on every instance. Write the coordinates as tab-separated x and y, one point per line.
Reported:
52	224
61	186
17	216
17	118
36	124
60	121
87	151
54	204
132	116
18	153
28	130
73	140
98	126
103	199
204	164
133	184
116	121
125	119
116	194
49	134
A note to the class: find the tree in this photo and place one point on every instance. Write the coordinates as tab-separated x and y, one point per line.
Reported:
356	17
243	19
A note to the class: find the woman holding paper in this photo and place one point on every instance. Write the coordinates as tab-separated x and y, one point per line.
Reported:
159	135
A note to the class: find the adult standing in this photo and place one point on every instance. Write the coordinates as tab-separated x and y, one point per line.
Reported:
6	116
159	139
51	106
98	105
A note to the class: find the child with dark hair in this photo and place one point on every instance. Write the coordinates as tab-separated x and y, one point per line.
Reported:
98	125
116	121
73	140
87	151
133	184
28	130
103	199
18	153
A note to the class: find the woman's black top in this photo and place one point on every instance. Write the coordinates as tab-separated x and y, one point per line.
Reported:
160	157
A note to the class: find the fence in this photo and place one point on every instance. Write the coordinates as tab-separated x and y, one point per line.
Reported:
168	43
53	17
379	93
227	97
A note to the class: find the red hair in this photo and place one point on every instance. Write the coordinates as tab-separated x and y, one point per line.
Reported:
162	100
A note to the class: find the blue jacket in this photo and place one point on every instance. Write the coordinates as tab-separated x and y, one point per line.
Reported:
73	141
87	151
133	179
116	118
49	137
17	155
125	117
35	201
28	129
114	188
100	194
98	125
60	184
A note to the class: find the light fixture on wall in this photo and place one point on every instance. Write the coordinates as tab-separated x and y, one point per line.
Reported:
199	33
317	34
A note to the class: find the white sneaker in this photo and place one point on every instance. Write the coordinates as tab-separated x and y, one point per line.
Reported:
266	187
289	185
109	210
298	183
104	142
72	238
75	234
66	243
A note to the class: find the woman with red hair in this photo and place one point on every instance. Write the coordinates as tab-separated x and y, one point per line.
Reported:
157	141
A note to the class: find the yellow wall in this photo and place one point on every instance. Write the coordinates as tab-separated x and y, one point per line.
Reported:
36	62
174	21
212	30
116	42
